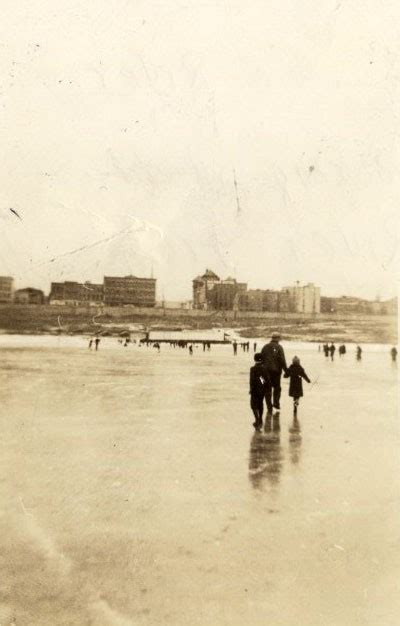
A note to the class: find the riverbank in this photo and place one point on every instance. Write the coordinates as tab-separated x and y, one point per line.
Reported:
117	321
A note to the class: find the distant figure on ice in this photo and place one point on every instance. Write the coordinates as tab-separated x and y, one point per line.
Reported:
90	344
273	359
234	345
342	350
295	372
190	349
358	353
255	347
97	341
257	390
332	349
393	354
204	346
326	349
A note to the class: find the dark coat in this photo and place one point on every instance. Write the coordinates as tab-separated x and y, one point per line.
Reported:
257	378
296	373
273	357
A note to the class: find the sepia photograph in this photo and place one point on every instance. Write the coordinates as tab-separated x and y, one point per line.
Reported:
199	278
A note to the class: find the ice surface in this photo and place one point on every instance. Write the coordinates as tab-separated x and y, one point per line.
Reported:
134	490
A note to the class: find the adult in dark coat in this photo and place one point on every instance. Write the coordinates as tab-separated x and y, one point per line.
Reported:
274	362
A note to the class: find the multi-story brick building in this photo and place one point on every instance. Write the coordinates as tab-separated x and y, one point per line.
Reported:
262	300
285	301
74	293
228	295
129	290
349	305
255	300
202	287
114	291
29	295
353	305
6	288
271	300
210	292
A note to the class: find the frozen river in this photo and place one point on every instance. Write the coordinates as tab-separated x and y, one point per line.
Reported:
135	492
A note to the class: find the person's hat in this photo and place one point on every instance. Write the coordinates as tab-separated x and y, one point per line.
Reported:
275	335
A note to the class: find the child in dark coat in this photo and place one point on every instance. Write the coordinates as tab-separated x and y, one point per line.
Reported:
295	372
257	390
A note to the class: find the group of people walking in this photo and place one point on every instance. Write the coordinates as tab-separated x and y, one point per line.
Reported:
94	341
245	345
265	376
265	379
329	350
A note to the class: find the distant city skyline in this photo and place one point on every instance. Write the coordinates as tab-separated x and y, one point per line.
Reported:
249	144
189	292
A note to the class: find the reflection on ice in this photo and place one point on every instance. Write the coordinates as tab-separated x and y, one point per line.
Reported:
295	441
266	456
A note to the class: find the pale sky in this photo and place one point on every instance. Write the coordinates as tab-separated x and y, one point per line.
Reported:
122	123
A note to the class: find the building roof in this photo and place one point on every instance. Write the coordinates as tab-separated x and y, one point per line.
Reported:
210	274
130	276
29	290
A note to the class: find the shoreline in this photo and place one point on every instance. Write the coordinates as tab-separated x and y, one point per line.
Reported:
120	321
240	334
